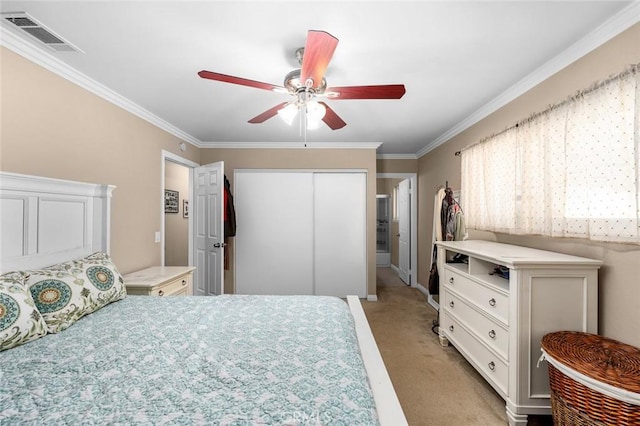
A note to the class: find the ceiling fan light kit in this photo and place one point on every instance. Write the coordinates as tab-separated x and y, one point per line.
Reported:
307	84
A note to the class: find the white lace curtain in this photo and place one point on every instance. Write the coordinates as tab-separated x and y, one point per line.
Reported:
570	171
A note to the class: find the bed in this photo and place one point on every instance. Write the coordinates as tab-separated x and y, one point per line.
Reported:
122	359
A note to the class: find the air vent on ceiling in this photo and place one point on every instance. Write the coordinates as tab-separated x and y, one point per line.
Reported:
35	29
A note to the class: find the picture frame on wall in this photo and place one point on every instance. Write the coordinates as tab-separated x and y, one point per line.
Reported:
171	199
185	208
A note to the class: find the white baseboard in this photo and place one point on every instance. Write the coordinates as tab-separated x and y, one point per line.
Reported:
372	298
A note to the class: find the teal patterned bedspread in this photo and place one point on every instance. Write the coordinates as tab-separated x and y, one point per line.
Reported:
225	360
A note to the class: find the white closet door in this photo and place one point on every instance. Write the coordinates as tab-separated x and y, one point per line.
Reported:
274	237
340	234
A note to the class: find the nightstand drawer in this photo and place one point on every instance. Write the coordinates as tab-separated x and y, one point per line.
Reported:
180	286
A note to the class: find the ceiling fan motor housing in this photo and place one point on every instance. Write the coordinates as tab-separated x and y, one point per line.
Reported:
294	85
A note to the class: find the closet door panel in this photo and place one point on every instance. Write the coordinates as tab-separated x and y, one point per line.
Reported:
274	238
340	234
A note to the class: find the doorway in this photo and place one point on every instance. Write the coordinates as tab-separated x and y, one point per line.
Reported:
176	218
177	175
205	218
403	239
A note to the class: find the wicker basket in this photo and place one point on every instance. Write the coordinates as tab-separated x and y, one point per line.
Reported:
593	380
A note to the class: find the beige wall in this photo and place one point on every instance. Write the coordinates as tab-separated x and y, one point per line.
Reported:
396	166
52	127
304	158
176	226
619	312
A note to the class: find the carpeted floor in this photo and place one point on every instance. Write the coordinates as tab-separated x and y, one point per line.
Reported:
436	386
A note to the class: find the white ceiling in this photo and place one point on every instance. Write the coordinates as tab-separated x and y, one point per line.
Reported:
458	60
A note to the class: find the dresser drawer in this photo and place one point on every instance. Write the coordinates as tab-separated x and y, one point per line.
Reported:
494	369
489	331
491	300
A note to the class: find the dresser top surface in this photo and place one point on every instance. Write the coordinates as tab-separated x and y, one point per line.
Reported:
512	255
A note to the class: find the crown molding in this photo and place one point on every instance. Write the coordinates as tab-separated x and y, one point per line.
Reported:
397	157
623	20
292	145
46	60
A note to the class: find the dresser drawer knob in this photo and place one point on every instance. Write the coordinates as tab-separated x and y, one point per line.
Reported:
161	293
450	328
492	366
451	280
492	334
451	304
184	282
492	302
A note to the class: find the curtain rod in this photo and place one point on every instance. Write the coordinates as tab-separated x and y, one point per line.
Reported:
631	69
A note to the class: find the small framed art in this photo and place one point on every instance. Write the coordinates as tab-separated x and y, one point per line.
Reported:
171	201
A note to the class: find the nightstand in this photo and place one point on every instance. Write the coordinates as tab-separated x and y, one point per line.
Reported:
161	281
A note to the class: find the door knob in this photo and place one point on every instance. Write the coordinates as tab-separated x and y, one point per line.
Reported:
218	245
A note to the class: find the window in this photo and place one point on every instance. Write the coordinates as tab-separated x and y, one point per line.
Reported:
570	171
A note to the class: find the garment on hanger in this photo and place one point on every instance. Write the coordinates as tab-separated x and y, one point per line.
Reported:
434	279
229	211
453	227
229	219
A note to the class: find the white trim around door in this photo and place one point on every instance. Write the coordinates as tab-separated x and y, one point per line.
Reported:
170	156
413	233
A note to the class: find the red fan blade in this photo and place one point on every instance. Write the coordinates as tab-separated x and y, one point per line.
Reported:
390	91
332	119
317	54
268	114
237	80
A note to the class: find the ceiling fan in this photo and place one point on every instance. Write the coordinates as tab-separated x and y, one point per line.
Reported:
308	84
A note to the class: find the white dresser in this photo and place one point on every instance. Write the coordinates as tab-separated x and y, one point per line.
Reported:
161	281
496	305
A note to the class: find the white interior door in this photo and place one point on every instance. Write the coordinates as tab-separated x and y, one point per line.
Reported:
208	229
273	243
340	217
404	251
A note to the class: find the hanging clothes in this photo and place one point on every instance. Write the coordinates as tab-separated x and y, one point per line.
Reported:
453	227
447	202
229	211
448	225
434	279
229	219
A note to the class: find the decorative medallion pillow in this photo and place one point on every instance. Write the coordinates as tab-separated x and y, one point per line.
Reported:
20	321
66	292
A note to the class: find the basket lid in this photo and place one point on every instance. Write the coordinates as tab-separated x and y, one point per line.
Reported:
603	359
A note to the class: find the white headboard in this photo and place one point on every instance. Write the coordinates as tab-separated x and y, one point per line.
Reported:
44	221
